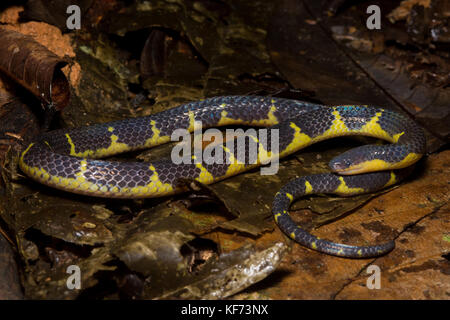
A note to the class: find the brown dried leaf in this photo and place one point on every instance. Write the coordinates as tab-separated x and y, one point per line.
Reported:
34	67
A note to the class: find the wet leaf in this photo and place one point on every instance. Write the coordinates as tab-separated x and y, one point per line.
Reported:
231	273
72	223
104	82
51	283
10	288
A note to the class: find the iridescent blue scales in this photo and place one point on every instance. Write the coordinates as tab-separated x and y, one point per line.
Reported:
67	159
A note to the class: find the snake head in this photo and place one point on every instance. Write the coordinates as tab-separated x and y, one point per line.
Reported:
356	161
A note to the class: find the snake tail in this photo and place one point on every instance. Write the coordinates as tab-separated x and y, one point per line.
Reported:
332	184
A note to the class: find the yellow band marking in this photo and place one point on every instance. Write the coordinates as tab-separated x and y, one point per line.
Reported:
397	136
392	180
264	156
191	127
114	148
371	128
337	128
300	141
407	161
72	145
290	196
224	120
156	138
154	188
205	176
24	152
269	121
374	129
344	189
277	216
235	166
308	187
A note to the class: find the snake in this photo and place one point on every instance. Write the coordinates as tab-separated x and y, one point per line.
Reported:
71	159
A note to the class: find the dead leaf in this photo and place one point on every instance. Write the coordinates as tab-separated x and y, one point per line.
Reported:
34	67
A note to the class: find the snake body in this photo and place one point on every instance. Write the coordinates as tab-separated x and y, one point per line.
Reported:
68	158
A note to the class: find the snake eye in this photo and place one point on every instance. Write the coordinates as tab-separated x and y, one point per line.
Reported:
347	162
336	165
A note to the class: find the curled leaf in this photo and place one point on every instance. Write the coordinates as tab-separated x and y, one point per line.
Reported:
34	67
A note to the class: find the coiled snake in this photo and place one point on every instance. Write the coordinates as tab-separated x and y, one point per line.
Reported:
67	159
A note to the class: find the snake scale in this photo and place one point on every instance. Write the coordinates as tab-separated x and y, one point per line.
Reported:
68	159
